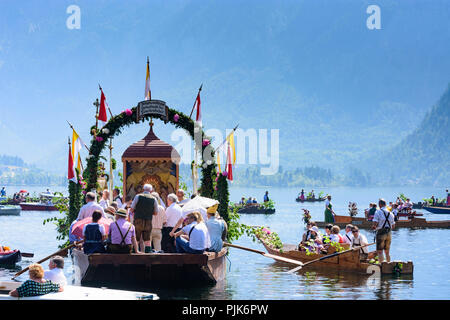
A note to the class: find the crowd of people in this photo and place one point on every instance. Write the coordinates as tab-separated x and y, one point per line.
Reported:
145	224
399	206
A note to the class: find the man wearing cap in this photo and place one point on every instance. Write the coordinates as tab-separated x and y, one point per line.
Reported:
122	234
110	212
143	208
217	228
88	209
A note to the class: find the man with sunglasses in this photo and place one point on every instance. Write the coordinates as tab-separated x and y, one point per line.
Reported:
358	240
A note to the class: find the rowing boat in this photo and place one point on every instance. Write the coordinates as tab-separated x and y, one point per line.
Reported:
256	210
77	293
37	206
103	269
9	210
363	223
437	210
310	200
10	258
349	262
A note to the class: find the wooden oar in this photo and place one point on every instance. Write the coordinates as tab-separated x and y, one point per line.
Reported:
329	256
265	254
26	254
48	257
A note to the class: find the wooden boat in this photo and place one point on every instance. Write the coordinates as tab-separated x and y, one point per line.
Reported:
350	261
10	210
437	210
78	293
310	200
37	206
103	269
363	223
253	209
10	258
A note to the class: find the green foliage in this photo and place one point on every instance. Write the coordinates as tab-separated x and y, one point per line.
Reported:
62	224
222	195
268	204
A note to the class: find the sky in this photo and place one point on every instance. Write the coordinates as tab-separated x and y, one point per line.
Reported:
286	65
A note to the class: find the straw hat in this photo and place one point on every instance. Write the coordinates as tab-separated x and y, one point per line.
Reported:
212	209
110	209
121	212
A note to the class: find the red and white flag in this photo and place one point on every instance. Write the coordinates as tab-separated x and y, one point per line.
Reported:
71	175
198	117
229	165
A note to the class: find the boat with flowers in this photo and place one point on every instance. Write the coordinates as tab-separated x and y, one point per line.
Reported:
351	261
364	223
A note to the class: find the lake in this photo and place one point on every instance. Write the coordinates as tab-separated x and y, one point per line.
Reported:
251	276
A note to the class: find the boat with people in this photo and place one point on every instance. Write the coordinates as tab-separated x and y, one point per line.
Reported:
10	257
298	199
149	268
10	210
364	223
72	292
437	209
350	261
256	209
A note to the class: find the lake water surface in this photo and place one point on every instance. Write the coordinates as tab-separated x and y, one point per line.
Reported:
251	276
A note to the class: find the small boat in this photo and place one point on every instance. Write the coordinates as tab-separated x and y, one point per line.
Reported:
175	269
418	205
363	223
9	210
37	206
310	200
252	209
10	258
437	210
78	293
350	261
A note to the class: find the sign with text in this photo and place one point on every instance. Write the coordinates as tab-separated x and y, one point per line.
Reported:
153	108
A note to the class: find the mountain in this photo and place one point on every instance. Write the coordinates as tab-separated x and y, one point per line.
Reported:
422	157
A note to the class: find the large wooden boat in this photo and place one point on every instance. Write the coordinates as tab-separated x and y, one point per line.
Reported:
310	200
37	206
10	258
437	210
363	223
9	210
104	269
350	261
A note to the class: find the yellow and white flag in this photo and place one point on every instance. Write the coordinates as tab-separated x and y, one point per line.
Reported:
77	144
232	146
148	93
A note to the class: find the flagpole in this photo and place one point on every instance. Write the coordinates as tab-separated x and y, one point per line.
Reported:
110	172
96	104
200	89
234	129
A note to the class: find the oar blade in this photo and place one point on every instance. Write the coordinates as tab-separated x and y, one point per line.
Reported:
295	269
283	259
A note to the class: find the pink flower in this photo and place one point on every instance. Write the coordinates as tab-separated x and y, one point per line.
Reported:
206	142
128	112
99	139
266	230
225	174
176	117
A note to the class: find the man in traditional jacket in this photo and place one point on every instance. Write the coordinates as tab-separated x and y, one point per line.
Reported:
143	208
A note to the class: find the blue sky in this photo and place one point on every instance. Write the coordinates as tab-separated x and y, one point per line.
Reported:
260	62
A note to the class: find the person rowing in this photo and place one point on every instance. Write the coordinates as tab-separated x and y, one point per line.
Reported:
359	240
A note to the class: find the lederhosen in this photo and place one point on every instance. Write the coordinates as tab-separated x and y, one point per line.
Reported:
122	247
93	242
385	229
361	250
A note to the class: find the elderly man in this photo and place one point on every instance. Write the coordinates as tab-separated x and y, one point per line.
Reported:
88	209
56	271
104	202
143	208
173	214
180	196
383	223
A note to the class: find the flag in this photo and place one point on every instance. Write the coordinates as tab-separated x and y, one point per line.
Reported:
229	165
232	146
71	175
102	112
198	117
77	144
148	93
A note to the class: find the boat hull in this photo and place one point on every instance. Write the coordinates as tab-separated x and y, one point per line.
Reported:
256	210
362	223
10	258
152	268
310	200
37	207
348	262
438	210
10	210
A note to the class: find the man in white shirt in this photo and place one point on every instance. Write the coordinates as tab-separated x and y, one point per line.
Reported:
194	237
88	209
383	223
348	237
173	215
56	271
359	240
104	202
117	198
